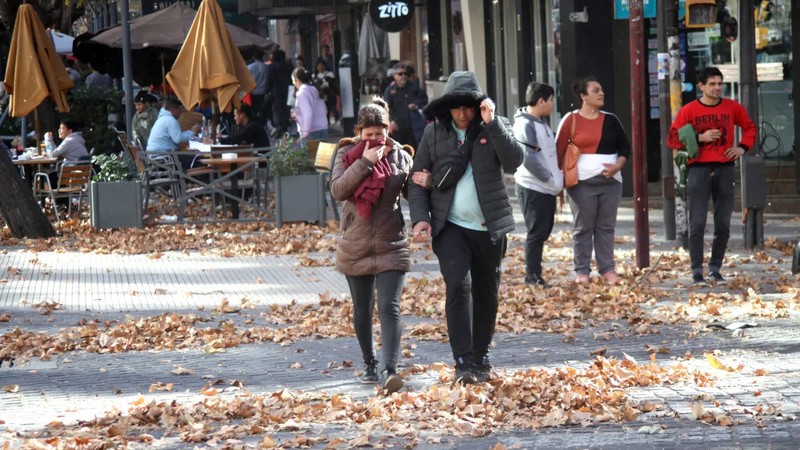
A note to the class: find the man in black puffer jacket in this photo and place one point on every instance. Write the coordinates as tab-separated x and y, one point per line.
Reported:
458	197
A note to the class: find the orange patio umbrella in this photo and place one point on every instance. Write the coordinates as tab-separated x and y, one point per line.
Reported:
34	69
209	65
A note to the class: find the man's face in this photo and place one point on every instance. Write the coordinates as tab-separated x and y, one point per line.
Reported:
547	106
63	131
139	106
176	112
239	118
401	77
712	88
462	116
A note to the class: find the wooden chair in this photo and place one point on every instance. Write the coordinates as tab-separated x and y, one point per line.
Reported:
323	163
73	181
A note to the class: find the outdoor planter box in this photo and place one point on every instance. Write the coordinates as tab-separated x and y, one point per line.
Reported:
300	198
116	204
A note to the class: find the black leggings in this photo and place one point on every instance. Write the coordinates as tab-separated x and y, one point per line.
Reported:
389	286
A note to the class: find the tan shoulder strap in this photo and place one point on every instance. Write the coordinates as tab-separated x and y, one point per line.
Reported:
572	132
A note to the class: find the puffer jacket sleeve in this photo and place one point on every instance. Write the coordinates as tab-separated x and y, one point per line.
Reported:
508	151
419	198
345	180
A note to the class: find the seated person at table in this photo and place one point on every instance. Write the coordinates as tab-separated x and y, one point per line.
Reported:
166	134
146	115
72	147
248	129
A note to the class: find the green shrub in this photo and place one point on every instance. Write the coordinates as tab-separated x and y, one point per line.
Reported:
113	168
290	158
91	107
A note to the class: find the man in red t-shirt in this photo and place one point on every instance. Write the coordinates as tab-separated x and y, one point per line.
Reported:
711	172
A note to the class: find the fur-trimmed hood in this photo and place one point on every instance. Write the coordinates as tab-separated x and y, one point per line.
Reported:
462	89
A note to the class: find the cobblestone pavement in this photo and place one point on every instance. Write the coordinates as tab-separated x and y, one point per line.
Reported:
79	385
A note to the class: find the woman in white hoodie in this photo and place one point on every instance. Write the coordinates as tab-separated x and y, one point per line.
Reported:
538	179
310	111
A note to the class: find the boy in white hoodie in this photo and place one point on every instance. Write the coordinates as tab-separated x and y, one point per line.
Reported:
538	179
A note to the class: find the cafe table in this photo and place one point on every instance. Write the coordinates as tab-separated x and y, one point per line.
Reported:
38	161
234	173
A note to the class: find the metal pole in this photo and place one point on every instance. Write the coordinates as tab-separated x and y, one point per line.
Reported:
23	131
667	34
639	134
127	67
748	89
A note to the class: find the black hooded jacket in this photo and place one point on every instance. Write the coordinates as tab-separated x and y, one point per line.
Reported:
494	151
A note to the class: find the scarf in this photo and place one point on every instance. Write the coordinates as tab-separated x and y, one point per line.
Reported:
371	188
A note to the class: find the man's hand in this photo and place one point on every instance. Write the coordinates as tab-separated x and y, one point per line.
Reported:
195	128
421	231
393	127
709	135
487	110
422	178
734	152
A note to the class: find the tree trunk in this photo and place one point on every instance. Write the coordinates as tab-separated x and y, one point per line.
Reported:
22	214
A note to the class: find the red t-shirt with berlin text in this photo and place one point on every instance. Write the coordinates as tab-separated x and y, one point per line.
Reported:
723	116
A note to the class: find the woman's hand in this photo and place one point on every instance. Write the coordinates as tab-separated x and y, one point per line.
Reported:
611	169
374	154
422	178
421	231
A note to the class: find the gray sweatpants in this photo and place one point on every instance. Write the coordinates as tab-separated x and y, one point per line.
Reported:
594	204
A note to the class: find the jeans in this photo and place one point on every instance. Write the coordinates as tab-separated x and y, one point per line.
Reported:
315	136
389	286
717	182
594	204
539	211
470	264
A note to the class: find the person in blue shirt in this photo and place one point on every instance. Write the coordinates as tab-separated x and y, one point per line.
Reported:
166	133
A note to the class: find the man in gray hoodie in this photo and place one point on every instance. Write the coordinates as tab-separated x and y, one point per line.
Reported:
539	179
72	147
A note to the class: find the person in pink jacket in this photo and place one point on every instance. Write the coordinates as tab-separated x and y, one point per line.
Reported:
309	112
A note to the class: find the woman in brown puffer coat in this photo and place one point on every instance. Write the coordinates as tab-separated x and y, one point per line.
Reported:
372	251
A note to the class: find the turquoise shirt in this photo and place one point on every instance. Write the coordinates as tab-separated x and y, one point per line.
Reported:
465	210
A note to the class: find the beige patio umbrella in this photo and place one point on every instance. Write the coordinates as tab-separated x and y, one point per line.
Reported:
34	70
209	67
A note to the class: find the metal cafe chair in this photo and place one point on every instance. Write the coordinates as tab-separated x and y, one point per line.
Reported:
73	180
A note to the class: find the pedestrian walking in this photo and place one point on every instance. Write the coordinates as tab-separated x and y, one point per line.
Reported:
538	179
604	149
369	175
259	71
279	78
405	99
705	129
310	111
458	198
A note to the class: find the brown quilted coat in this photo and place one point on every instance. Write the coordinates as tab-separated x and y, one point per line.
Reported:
378	244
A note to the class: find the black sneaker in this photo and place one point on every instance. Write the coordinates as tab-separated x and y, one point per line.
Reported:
370	373
698	280
465	373
391	381
716	278
484	371
535	280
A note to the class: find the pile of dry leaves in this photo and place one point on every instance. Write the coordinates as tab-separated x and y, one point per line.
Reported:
528	399
225	239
